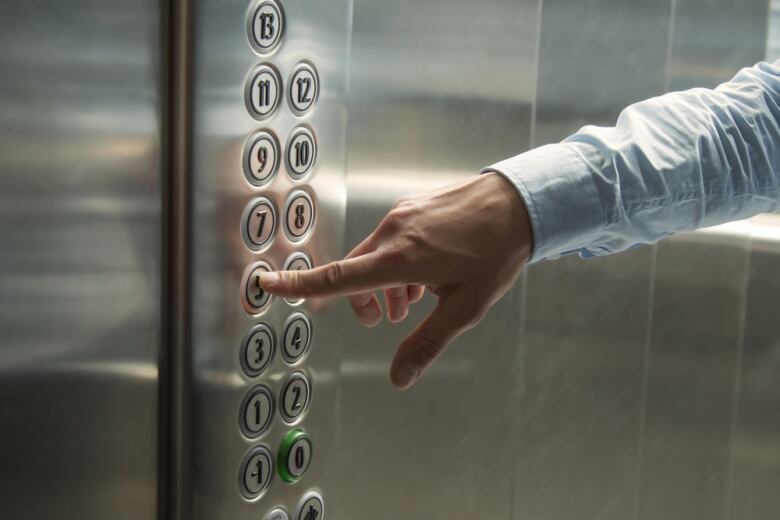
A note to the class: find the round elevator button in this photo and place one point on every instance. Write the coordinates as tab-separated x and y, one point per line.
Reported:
256	412
297	262
261	158
259	223
303	88
299	216
311	508
297	337
263	91
295	398
254	299
301	152
255	473
294	455
265	26
257	350
277	514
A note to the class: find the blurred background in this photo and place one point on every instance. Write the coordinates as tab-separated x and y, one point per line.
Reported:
645	385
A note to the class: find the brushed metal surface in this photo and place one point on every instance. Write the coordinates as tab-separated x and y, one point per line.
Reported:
80	259
220	124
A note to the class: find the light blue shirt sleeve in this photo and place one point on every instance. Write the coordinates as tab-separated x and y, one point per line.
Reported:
672	163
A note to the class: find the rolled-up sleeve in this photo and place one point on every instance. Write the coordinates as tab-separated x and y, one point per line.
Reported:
670	164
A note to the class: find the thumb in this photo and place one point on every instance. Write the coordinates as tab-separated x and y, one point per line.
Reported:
451	318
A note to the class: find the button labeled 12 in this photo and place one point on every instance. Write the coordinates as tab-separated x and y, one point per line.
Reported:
303	88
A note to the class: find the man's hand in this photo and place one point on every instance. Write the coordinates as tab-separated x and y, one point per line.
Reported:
466	243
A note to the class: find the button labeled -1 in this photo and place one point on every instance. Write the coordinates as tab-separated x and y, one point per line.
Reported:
255	473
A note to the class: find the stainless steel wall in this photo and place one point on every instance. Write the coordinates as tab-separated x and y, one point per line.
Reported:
80	258
635	386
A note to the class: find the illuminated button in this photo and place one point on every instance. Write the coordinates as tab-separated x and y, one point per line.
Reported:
263	91
311	508
297	337
277	514
254	299
259	224
294	456
257	350
303	89
256	412
261	158
297	262
296	394
266	26
255	473
301	152
299	216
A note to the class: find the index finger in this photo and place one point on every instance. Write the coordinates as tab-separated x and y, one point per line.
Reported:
350	276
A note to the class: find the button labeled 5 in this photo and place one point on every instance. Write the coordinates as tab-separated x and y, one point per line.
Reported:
253	298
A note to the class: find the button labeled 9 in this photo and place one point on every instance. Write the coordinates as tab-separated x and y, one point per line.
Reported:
261	158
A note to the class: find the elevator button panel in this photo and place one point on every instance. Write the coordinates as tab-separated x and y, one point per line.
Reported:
263	91
296	337
266	27
257	350
294	456
261	158
303	88
299	216
259	223
254	299
312	507
301	152
256	472
295	398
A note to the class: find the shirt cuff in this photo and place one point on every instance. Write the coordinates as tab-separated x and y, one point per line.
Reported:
561	198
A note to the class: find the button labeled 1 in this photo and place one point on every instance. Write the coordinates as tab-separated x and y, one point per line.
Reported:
297	337
263	90
254	299
259	223
299	216
261	158
304	88
295	398
301	152
255	473
257	350
311	508
266	26
256	412
294	456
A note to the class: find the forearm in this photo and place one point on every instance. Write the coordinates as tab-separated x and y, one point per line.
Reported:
673	163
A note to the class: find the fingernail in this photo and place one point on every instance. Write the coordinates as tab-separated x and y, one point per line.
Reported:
269	280
406	375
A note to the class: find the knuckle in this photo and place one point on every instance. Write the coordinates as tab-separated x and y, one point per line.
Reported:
427	349
332	274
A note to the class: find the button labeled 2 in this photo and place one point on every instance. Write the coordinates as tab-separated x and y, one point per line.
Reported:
261	158
265	26
303	88
255	473
253	298
301	152
263	90
295	398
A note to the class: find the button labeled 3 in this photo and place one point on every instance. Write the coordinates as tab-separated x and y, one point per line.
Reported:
301	152
257	350
265	26
294	456
299	216
255	473
295	398
311	508
297	337
254	299
259	223
263	90
256	412
261	158
303	88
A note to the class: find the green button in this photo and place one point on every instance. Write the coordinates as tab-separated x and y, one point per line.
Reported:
294	455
